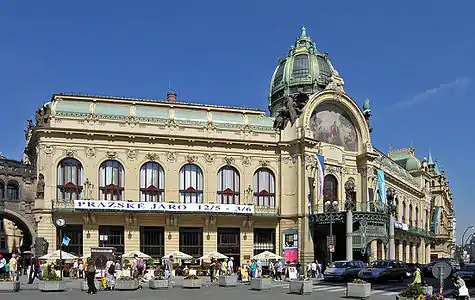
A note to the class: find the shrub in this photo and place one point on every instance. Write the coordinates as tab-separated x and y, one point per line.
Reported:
191	277
359	281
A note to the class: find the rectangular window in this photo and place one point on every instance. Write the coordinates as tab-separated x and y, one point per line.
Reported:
264	240
112	236
191	241
74	233
300	66
1	224
3	243
152	241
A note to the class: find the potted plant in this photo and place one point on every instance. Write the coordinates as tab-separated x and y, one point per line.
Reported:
416	292
51	283
358	289
264	283
7	285
228	279
192	281
125	283
158	282
304	286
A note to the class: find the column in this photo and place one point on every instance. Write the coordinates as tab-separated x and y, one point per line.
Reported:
428	253
408	251
392	249
414	249
400	251
349	235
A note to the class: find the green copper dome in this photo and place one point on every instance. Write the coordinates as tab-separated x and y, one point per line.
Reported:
304	69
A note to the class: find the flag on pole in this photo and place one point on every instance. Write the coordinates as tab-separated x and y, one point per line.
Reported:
66	240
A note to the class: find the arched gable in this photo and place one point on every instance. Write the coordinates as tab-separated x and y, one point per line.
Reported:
339	104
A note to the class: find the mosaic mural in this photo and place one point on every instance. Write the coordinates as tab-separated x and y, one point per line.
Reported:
331	124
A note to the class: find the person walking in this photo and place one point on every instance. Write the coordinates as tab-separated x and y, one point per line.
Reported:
34	269
13	267
212	266
90	276
169	269
231	266
278	270
3	267
110	279
417	276
298	267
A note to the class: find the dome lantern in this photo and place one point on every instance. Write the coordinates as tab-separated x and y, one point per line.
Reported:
303	71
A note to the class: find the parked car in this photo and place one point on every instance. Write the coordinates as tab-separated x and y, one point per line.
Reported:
343	270
384	270
467	272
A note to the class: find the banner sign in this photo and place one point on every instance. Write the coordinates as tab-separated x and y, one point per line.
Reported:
162	207
382	186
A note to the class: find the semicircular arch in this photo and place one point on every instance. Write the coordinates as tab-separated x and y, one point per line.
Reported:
21	221
348	106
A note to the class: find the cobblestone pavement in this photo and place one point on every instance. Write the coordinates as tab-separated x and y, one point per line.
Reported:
280	290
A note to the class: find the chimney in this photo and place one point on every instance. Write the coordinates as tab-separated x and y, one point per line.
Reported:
171	96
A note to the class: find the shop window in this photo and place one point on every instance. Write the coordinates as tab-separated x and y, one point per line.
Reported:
75	234
191	184
264	240
191	241
228	185
152	241
152	182
13	191
111	180
70	179
112	236
264	188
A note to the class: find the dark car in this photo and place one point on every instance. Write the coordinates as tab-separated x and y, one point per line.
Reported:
384	270
343	270
467	272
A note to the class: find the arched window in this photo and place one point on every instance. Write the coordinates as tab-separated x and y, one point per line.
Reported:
228	186
264	188
300	66
70	179
13	191
2	189
403	212
330	189
152	182
417	217
111	180
191	184
427	220
410	214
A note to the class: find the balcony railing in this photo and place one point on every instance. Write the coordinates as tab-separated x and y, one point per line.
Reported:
420	232
368	207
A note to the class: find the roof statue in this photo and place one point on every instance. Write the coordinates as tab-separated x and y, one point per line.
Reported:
366	106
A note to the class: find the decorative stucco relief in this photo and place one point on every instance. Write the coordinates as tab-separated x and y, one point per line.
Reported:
228	160
152	156
48	150
246	161
111	154
171	156
209	158
69	152
90	152
132	154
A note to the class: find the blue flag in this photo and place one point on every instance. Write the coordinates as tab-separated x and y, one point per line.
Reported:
66	240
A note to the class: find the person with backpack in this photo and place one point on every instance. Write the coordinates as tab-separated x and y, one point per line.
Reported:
90	276
110	275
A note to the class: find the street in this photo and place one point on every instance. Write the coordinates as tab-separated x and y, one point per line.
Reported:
280	290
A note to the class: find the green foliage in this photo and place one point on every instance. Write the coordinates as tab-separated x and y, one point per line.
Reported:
150	262
413	291
191	277
51	276
359	281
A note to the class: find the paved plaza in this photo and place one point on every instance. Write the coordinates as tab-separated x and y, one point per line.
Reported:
280	290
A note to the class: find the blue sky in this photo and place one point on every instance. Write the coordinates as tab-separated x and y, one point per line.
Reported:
413	59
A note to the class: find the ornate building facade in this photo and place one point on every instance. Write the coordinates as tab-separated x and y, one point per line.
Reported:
159	176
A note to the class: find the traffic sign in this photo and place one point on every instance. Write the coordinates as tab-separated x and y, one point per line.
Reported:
331	240
441	270
332	248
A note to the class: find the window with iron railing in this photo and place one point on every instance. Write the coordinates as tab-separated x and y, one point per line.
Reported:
264	188
70	179
191	184
191	241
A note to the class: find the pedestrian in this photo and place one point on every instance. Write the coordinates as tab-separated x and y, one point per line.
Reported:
3	265
34	269
417	276
314	269
231	266
212	266
169	269
110	267
90	276
298	267
13	267
75	269
253	269
118	269
258	269
278	270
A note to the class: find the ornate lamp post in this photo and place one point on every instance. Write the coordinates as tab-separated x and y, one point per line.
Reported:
331	206
390	193
349	207
463	236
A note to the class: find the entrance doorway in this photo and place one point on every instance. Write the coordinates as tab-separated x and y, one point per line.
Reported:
112	236
229	244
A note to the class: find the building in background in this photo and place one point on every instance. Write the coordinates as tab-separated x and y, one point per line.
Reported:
160	176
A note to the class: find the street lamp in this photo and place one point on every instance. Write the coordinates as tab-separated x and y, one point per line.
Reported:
463	235
331	206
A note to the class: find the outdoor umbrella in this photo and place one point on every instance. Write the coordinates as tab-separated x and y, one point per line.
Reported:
213	254
56	255
178	255
138	253
267	255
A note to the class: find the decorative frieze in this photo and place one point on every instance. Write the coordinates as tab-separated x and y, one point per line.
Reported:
152	156
111	154
191	158
132	154
171	156
90	152
209	158
228	160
